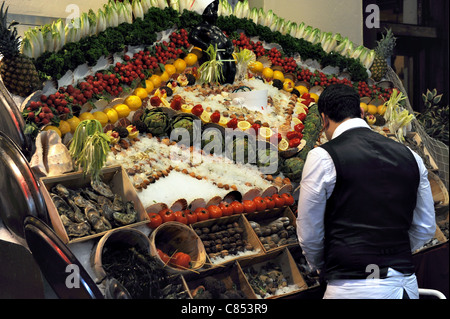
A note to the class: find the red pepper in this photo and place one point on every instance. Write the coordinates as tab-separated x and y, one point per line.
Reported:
197	110
155	101
301	116
299	127
215	117
294	142
293	134
232	123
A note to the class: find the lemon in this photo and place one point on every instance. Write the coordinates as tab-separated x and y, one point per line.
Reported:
180	65
372	109
283	145
191	59
256	67
302	89
86	116
64	127
299	109
149	86
314	96
112	114
265	132
224	121
205	117
134	102
141	93
187	108
122	110
101	117
288	85
165	76
296	120
278	75
364	106
244	125
267	73
156	80
53	128
170	69
73	122
381	109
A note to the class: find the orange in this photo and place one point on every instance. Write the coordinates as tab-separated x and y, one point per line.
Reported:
149	87
134	102
122	110
112	114
170	69
156	80
191	59
364	106
302	89
267	73
165	76
180	65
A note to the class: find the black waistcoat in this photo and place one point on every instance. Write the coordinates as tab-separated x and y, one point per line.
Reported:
370	211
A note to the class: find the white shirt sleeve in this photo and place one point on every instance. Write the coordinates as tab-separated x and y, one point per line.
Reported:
423	225
316	186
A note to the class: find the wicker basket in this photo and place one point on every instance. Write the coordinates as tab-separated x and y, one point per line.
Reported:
171	237
440	193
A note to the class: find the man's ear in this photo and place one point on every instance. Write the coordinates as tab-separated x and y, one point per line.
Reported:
362	112
325	120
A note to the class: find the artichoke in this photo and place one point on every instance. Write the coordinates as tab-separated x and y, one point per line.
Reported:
157	121
180	124
293	168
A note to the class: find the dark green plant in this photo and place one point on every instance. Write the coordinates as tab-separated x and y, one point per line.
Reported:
434	118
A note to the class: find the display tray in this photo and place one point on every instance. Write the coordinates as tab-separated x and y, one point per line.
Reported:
222	252
114	176
271	236
281	260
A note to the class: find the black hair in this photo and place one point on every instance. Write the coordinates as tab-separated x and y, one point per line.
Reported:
339	102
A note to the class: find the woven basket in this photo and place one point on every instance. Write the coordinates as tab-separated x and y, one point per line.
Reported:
440	193
171	237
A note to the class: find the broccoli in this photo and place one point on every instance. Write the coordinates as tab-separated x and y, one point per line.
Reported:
112	39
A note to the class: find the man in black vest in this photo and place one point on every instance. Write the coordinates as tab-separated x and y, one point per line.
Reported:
365	204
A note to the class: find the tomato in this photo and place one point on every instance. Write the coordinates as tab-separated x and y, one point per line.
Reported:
301	116
214	211
269	202
167	215
238	207
181	217
279	201
232	123
202	214
164	257
191	216
197	110
181	260
292	134
249	206
294	142
288	199
215	117
260	203
155	220
256	127
279	137
299	127
227	209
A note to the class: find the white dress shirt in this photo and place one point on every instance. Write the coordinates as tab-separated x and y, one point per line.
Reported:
316	186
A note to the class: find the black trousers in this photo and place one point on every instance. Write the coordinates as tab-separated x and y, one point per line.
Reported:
405	294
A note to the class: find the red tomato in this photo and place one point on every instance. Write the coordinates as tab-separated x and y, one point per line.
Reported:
197	110
279	201
227	209
232	123
164	257
288	199
181	217
191	216
167	215
269	202
249	206
238	207
181	260
202	214
214	211
260	203
215	117
302	116
155	220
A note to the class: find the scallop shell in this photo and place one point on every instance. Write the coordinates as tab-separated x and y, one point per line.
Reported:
196	203
232	196
278	68
118	100
33	97
385	84
180	204
251	194
266	62
365	99
156	208
216	200
290	76
303	83
344	75
316	89
377	101
287	188
269	191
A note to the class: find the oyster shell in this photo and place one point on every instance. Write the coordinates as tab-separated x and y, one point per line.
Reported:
102	189
98	222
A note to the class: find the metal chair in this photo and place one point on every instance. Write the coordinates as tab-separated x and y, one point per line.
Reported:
431	292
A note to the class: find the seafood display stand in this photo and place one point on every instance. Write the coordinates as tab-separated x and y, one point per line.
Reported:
142	153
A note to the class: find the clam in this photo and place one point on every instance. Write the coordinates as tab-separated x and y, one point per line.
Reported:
78	230
61	190
385	84
178	205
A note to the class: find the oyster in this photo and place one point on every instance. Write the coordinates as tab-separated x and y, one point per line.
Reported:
77	215
128	217
61	190
90	194
80	201
78	229
98	222
117	204
102	189
61	205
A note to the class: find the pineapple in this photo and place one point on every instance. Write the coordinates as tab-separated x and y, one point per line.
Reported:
384	49
17	70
